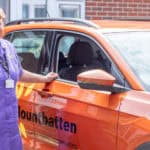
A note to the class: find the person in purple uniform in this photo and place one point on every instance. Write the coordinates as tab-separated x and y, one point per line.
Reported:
11	71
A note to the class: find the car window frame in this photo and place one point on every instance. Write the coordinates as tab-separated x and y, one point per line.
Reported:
55	54
47	41
9	36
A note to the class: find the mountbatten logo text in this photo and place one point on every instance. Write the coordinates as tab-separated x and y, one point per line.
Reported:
51	121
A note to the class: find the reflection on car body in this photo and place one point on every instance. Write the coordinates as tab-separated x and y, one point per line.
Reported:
107	106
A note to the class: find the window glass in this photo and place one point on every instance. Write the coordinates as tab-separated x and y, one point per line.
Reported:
71	11
29	45
8	37
77	54
25	11
134	48
81	59
40	11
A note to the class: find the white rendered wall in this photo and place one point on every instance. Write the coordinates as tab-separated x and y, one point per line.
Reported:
53	7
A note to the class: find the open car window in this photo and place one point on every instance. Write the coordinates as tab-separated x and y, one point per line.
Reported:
71	62
77	54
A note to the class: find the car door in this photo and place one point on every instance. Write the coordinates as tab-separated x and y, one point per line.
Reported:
33	52
77	118
61	115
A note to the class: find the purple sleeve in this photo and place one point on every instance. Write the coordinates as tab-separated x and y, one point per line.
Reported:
20	69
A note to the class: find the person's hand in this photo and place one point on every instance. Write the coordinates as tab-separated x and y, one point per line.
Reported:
51	76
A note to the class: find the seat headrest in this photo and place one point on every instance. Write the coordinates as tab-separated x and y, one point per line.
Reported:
28	61
61	56
80	53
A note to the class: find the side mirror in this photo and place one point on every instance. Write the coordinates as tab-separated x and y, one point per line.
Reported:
99	80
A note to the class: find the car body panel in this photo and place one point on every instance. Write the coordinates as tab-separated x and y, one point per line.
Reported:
88	111
134	120
123	24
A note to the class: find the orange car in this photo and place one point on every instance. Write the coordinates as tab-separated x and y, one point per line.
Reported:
101	100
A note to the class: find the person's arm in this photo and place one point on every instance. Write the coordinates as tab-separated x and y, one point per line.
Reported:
33	77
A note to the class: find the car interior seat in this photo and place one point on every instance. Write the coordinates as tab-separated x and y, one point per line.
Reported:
28	61
79	59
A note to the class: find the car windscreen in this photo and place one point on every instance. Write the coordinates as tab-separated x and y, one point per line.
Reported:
135	49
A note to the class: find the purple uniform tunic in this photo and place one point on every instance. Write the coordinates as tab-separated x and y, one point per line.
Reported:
9	133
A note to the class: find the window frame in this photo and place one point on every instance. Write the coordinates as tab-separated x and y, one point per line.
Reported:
44	7
55	54
78	3
48	46
24	8
75	7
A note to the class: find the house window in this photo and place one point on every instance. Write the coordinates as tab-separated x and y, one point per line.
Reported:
69	10
25	11
40	11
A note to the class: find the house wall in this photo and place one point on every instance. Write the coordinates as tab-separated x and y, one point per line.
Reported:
89	9
117	9
55	8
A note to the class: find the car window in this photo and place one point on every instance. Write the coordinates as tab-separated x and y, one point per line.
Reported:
100	60
8	37
76	54
29	41
29	45
134	48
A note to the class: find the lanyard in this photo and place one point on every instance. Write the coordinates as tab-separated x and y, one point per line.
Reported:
4	63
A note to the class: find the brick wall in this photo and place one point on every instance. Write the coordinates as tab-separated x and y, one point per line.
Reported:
117	9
